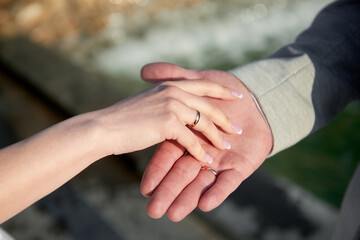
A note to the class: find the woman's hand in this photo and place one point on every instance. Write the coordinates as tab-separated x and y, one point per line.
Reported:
198	187
164	112
48	159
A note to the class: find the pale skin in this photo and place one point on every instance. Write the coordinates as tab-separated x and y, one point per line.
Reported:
175	183
36	166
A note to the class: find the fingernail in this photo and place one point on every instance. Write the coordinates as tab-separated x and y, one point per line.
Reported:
237	129
236	94
208	158
226	144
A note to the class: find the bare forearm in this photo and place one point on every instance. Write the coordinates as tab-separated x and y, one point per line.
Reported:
35	167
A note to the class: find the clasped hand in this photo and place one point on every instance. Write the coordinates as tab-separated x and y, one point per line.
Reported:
173	180
164	112
167	113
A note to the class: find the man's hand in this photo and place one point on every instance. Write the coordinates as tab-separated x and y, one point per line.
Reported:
176	183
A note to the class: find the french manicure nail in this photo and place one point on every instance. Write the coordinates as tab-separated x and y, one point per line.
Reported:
236	94
208	158
226	144
237	129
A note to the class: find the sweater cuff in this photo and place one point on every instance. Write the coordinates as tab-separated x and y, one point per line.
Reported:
283	89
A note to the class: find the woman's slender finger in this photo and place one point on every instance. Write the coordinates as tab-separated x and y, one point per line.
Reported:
209	130
186	138
217	116
188	116
201	87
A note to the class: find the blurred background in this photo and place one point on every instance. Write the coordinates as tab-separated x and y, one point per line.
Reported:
61	58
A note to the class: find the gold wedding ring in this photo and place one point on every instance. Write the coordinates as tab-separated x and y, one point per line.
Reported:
197	119
209	169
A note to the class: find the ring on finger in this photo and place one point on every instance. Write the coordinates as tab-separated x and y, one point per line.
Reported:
209	169
197	119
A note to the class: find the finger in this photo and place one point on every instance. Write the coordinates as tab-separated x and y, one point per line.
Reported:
209	110
183	172
186	138
225	184
210	131
165	156
217	116
201	87
189	198
157	72
179	132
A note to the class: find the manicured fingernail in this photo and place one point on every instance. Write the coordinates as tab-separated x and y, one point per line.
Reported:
226	144
236	94
237	129
208	158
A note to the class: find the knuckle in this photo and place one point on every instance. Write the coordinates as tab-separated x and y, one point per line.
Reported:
186	170
184	173
170	91
206	86
165	84
161	87
171	104
169	118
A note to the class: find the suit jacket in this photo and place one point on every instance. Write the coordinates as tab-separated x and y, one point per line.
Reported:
302	86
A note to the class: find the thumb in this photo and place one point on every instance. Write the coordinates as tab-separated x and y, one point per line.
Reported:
157	72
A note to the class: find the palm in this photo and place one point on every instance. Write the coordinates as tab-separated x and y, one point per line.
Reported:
175	182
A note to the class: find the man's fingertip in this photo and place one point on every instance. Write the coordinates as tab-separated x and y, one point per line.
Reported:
154	212
205	207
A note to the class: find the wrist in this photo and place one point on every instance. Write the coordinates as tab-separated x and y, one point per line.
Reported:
94	134
109	130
